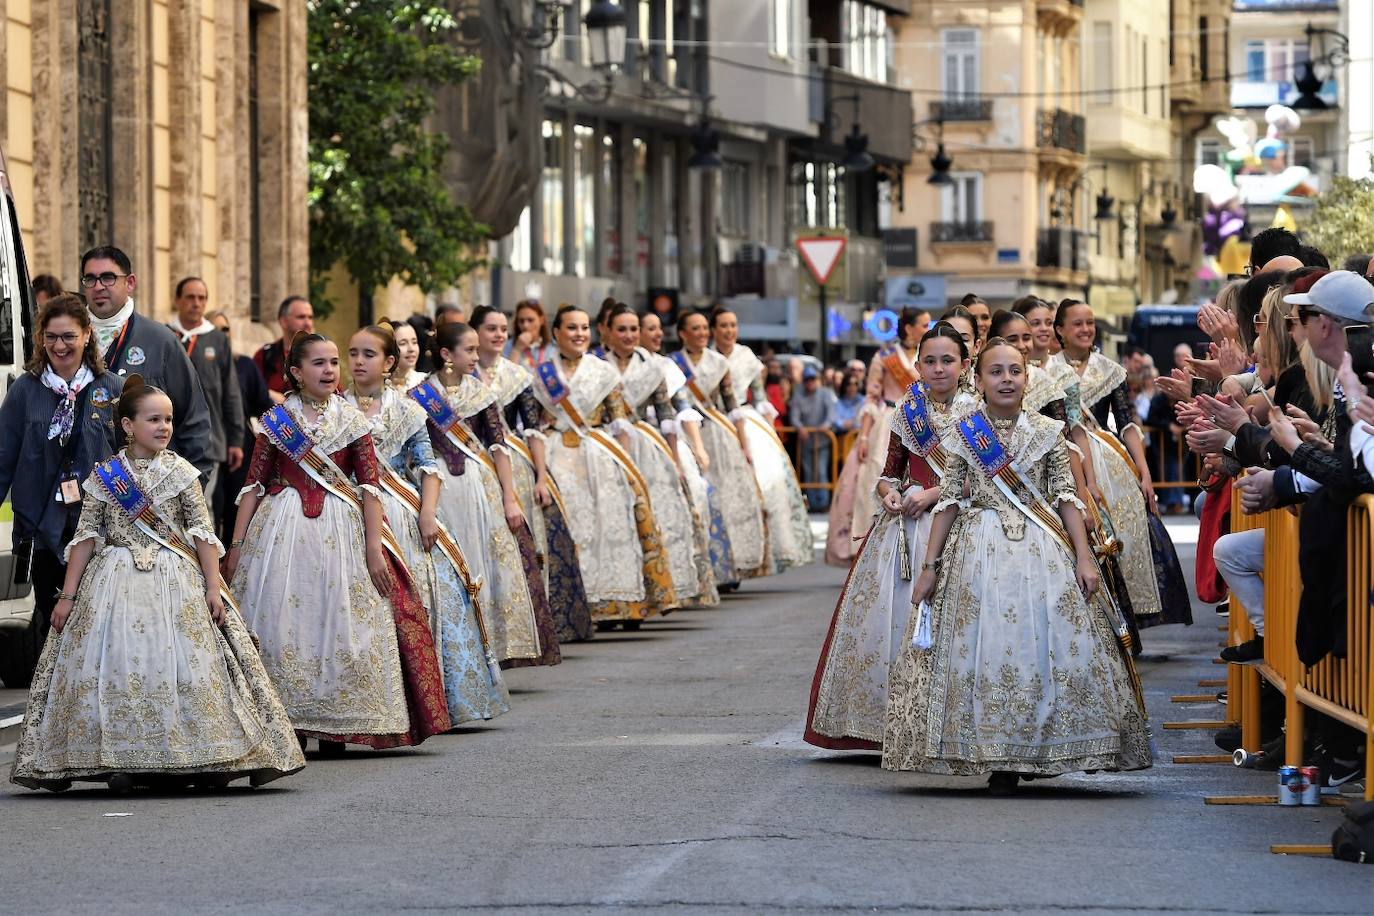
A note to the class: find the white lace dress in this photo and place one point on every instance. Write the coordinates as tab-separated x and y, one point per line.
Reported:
328	637
789	527
1024	675
141	680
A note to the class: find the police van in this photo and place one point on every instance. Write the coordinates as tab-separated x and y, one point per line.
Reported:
20	635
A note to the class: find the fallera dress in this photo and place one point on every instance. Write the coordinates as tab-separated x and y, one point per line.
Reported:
1023	674
472	690
855	504
140	680
471	506
684	535
740	500
789	526
706	500
1148	560
849	691
553	540
350	663
624	565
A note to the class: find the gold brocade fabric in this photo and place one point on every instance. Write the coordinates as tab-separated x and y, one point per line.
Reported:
141	679
1024	675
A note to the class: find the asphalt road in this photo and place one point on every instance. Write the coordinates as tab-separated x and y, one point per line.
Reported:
664	770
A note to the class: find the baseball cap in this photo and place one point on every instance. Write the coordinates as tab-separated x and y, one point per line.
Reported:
809	373
1341	294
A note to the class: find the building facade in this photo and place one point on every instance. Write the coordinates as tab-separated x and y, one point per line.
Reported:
174	130
686	176
1066	123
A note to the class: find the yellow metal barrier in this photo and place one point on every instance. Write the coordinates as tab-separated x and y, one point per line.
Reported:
1185	461
1338	687
793	441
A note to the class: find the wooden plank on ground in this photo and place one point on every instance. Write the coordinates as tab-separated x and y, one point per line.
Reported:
1200	725
1202	758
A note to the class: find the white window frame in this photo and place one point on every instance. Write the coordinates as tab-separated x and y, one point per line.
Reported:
954	197
1212	146
1308	144
780	28
963	48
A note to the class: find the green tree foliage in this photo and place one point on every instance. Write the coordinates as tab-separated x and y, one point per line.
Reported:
378	202
1343	222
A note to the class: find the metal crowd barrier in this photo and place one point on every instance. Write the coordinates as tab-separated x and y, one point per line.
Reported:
1337	687
839	450
1158	449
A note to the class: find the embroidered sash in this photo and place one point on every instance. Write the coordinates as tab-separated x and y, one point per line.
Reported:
519	447
560	395
115	477
896	365
286	434
916	413
442	415
1000	466
684	364
401	488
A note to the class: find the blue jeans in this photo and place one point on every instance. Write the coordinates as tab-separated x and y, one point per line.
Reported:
815	462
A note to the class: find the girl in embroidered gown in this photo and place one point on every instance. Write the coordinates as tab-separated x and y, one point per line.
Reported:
1023	671
692	457
405	376
1148	560
148	675
729	465
624	565
789	527
849	690
653	447
343	633
535	487
410	498
479	504
1044	395
889	375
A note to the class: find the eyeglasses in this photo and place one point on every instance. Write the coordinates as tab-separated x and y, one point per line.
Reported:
70	338
1249	270
106	280
1306	312
1261	322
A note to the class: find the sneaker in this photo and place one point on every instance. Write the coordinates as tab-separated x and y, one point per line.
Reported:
1247	653
1224	609
1223	696
1336	773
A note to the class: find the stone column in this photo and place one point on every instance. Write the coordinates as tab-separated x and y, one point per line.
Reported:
183	72
55	137
131	178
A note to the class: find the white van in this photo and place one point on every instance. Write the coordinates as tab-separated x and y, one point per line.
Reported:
20	636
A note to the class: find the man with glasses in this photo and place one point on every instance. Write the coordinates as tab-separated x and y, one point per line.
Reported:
135	344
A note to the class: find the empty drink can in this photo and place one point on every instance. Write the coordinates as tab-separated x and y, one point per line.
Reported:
1311	785
1291	786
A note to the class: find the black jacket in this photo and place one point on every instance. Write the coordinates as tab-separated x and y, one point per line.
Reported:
214	365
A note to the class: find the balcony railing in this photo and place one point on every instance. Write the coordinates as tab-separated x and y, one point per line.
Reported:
1061	247
961	110
1059	129
961	231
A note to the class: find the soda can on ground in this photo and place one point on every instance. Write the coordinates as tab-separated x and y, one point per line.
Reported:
1312	785
1290	786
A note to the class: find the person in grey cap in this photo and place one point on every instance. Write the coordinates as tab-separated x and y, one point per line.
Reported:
1325	477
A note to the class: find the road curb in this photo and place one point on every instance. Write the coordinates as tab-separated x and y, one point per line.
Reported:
9	737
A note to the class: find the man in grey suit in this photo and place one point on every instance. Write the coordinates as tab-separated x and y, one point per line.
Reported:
133	343
208	349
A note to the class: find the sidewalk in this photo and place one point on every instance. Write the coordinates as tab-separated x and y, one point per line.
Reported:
11	714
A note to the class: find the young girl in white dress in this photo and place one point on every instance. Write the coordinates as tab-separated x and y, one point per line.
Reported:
1021	667
344	634
149	675
410	485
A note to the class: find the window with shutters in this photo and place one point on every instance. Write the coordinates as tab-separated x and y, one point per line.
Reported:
959	64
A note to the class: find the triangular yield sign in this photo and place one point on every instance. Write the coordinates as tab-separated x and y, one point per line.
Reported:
821	254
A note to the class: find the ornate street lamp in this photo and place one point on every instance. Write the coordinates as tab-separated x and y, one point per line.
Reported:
605	23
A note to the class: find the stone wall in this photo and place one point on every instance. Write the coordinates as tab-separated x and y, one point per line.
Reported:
182	157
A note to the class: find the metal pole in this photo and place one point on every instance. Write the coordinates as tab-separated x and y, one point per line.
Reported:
821	346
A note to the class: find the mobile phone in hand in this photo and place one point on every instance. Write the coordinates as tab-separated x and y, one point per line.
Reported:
1359	340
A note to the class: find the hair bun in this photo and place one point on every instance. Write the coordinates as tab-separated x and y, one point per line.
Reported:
133	383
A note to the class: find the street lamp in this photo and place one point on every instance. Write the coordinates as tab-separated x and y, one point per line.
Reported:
1104	206
856	155
605	23
940	165
1309	83
705	143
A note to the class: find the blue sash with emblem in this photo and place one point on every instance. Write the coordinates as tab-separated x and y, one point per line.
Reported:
982	441
286	433
916	412
558	392
435	404
114	476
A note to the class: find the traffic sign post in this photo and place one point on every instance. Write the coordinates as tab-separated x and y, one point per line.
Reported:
821	254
